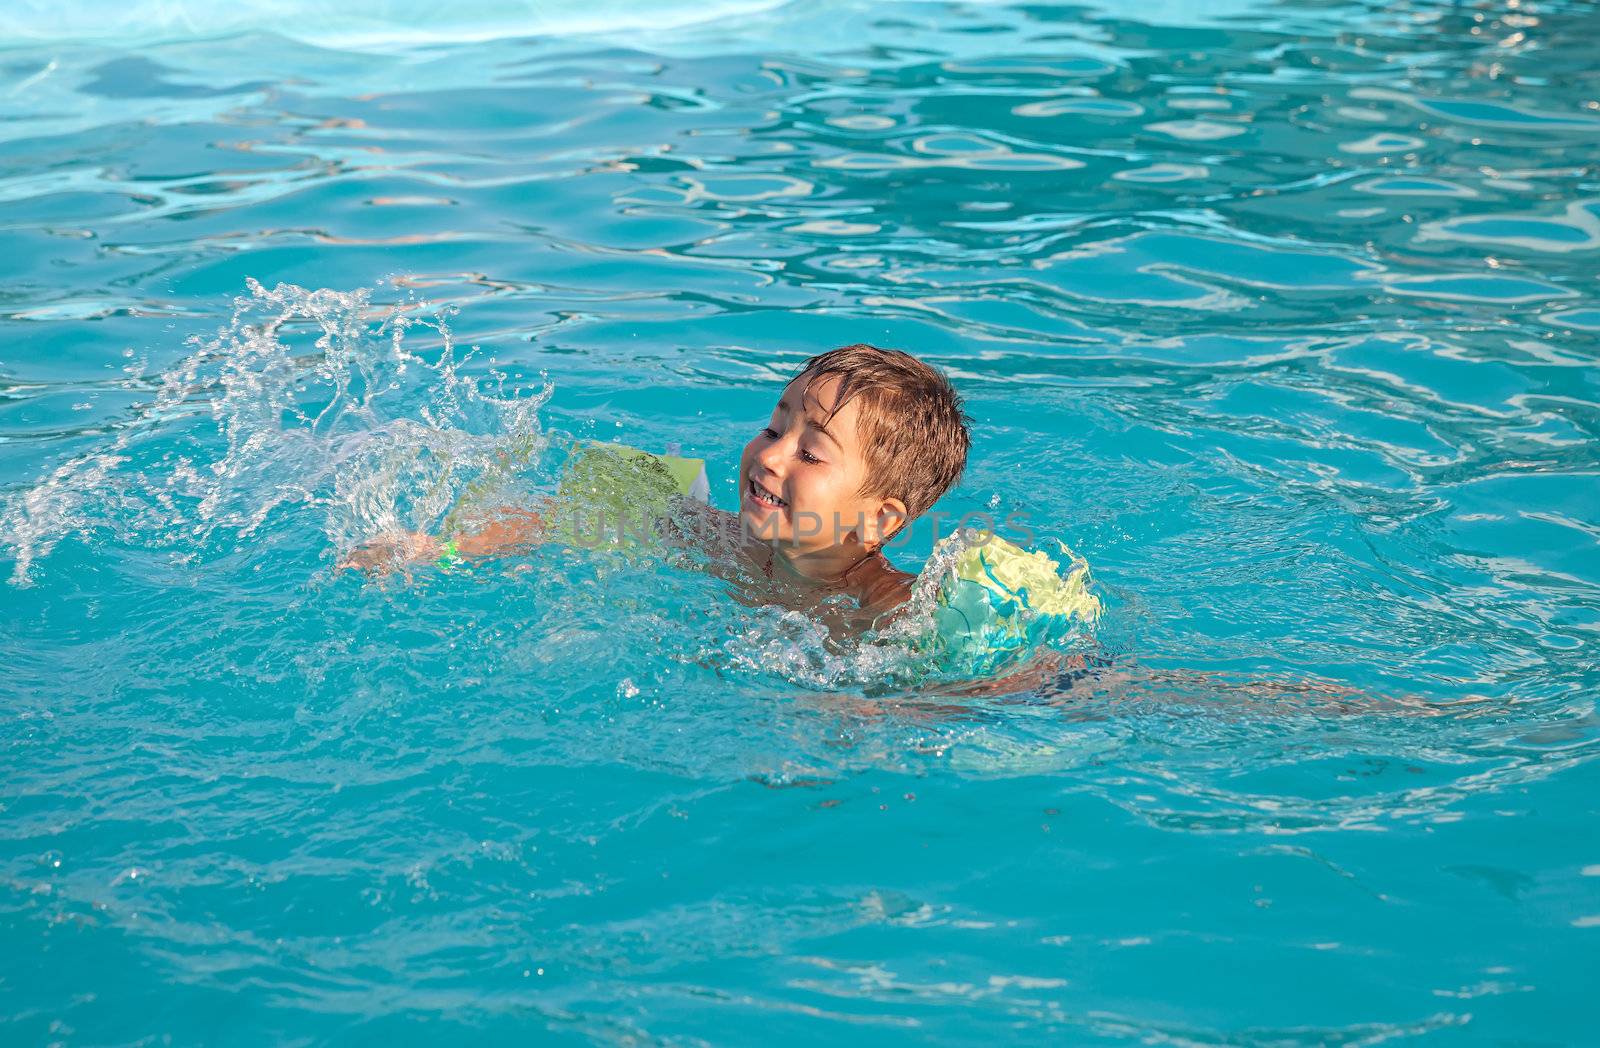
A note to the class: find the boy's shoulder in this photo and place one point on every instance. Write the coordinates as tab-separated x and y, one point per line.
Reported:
882	587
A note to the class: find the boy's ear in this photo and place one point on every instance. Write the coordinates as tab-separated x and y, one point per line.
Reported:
890	519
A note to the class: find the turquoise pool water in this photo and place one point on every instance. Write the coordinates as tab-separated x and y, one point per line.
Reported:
1283	316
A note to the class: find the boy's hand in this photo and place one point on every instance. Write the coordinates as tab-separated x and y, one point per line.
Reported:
396	549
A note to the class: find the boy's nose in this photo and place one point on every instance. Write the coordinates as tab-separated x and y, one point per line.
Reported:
770	457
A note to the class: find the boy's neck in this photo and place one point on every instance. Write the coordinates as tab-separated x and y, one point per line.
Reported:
830	566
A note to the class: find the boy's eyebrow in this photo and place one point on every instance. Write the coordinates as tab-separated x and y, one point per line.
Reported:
814	424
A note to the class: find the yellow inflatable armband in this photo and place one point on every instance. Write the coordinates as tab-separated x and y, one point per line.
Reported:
998	601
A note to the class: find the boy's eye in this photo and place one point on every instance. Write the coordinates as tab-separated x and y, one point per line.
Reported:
770	433
808	456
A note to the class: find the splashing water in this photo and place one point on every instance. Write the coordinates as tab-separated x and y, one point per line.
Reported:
309	406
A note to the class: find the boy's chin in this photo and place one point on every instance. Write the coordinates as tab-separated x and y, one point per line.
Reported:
763	524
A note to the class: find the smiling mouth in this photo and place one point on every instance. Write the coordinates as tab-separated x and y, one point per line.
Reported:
762	497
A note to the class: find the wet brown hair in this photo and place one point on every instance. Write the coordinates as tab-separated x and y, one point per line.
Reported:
912	429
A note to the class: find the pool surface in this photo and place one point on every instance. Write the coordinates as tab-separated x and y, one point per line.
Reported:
1284	316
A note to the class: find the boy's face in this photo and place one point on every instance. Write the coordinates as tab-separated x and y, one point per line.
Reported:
801	476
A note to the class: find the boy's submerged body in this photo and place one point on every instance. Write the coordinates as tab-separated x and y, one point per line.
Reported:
861	442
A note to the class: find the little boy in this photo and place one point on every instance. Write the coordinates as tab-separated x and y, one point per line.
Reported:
862	441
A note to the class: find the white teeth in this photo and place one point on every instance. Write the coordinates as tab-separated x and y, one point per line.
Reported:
762	495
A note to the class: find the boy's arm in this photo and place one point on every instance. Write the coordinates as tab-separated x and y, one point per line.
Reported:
707	529
511	529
